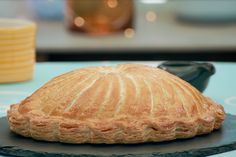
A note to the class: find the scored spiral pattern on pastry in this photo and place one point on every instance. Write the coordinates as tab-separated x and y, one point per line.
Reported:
127	103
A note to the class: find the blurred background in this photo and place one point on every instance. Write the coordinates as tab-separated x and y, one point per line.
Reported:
110	32
87	30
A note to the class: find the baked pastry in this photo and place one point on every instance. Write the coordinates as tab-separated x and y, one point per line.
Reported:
122	104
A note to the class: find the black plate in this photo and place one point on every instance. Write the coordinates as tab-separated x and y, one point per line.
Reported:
216	142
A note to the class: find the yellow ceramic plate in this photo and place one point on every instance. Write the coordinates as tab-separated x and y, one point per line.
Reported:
16	26
16	53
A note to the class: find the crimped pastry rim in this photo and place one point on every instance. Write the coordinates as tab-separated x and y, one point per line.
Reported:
70	131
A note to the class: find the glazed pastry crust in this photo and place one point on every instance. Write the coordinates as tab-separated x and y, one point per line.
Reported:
125	104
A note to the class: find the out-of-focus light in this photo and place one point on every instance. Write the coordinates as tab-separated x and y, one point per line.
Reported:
129	33
79	21
112	3
153	1
151	16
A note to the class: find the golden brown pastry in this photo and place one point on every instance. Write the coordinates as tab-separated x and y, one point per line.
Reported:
123	104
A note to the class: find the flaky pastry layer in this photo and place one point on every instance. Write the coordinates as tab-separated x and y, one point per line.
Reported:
120	130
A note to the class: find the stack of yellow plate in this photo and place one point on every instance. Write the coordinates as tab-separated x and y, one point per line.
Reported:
17	50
